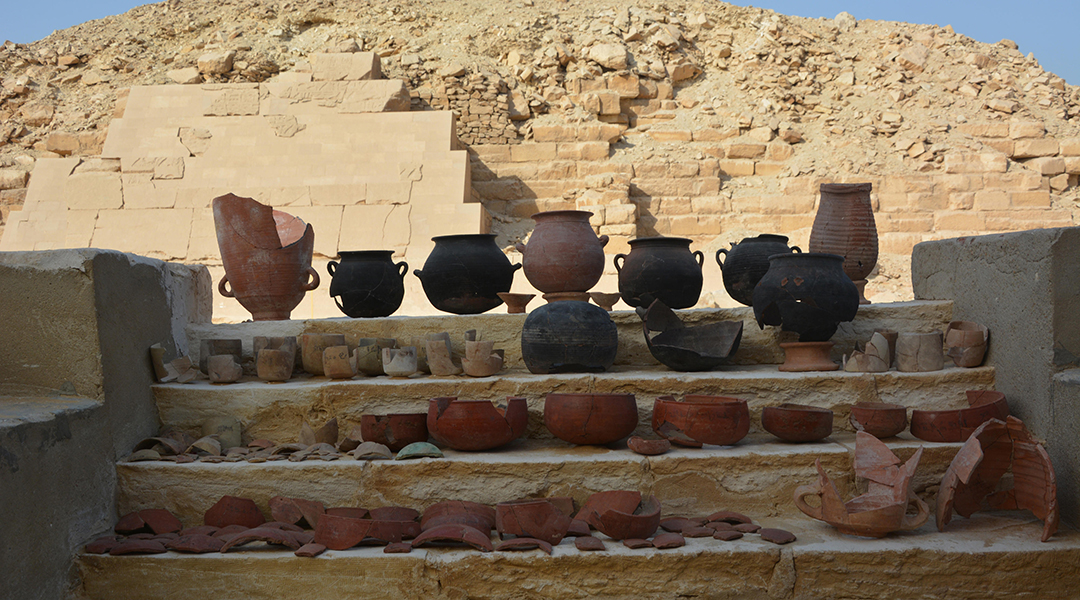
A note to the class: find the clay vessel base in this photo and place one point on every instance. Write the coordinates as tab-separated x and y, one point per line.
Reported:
807	356
860	285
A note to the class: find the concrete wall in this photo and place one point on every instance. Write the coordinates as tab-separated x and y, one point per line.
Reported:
1026	288
74	394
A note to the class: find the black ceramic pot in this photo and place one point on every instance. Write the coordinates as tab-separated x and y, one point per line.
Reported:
367	283
569	337
747	262
807	293
660	268
465	273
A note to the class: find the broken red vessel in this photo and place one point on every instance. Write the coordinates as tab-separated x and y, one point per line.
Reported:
701	419
975	472
538	519
958	424
622	515
474	425
395	431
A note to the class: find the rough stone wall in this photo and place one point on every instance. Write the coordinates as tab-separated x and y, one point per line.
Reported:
1023	286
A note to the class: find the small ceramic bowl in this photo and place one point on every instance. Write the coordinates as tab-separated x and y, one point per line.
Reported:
593	419
703	419
797	422
879	419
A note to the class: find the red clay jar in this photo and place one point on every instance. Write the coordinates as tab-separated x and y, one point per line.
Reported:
879	419
594	419
267	257
844	225
701	419
473	425
563	253
957	425
797	422
394	431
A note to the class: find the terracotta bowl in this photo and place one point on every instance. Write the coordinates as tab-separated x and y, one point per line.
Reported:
394	431
879	419
797	422
622	515
701	419
593	419
957	425
473	425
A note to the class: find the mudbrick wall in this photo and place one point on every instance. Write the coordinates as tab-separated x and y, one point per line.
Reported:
706	121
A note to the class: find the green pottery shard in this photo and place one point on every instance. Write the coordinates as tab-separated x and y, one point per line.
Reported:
419	450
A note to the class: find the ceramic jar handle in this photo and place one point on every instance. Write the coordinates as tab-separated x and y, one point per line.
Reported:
221	287
700	258
313	275
718	261
618	266
402	267
813	512
520	247
796	250
603	240
916	521
331	267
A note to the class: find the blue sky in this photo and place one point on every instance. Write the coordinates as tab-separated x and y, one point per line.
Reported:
1046	27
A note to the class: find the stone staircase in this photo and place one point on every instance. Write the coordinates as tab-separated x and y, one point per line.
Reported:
993	555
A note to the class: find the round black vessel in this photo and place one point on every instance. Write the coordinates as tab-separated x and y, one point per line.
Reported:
367	283
465	273
569	337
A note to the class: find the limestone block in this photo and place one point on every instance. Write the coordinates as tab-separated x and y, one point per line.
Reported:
376	227
36	114
610	56
518	106
626	84
236	99
11	179
62	143
1070	147
1002	105
1034	147
1031	199
202	241
1046	165
80	228
93	190
1026	129
714	135
670	135
195	139
157	233
1072	165
140	192
532	152
345	67
185	76
914	57
554	133
745	150
620	214
737	168
335	97
217	63
98	165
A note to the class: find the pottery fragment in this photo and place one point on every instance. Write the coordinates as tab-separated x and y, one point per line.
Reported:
481	358
310	550
919	352
275	537
296	510
223	368
777	536
883	508
588	543
684	347
440	355
341	533
312	346
232	510
523	543
195	544
210	348
973	477
102	545
372	451
399	362
637	543
667	541
455	533
646	447
131	546
532	519
958	424
874	358
337	363
727	535
966	342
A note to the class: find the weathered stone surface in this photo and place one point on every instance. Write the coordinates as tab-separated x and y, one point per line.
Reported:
991	559
11	179
185	76
610	56
345	66
216	63
757	476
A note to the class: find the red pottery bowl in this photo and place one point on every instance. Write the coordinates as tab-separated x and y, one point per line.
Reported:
394	431
957	425
879	419
472	425
593	419
703	419
797	422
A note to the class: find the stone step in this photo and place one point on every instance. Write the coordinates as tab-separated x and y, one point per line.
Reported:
757	476
276	410
993	556
758	346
